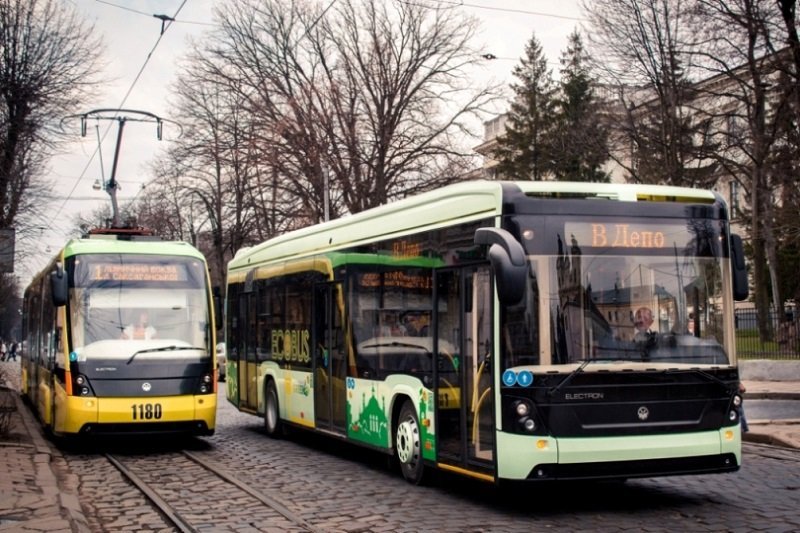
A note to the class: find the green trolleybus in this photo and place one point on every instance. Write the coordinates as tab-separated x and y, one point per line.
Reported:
503	331
119	338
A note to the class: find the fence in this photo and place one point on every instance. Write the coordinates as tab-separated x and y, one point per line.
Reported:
785	342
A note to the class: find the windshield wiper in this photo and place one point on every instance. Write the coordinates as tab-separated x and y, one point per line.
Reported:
580	368
172	348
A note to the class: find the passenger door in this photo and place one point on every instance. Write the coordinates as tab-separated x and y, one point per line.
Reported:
464	382
330	360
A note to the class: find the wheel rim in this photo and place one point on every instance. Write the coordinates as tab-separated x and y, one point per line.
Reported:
408	442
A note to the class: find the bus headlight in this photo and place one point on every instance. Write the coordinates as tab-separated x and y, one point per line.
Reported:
732	415
737	400
529	424
520	416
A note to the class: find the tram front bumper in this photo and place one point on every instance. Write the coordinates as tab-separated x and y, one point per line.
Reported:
194	414
522	457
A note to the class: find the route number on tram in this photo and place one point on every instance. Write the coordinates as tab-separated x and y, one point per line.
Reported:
146	411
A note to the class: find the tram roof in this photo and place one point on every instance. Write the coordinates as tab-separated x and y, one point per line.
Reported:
457	203
96	245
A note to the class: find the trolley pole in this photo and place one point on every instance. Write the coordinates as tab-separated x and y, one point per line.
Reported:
122	116
111	186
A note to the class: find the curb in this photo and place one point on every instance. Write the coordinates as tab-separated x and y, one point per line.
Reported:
47	478
771	396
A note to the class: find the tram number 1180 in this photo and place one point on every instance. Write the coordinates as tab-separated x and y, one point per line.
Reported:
146	411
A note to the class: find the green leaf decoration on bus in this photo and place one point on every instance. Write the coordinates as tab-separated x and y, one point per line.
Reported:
427	438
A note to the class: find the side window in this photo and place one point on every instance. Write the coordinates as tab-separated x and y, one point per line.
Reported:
391	313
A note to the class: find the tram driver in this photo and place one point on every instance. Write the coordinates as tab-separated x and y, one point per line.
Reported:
140	330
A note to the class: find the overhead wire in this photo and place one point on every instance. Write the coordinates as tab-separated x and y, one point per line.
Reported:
165	27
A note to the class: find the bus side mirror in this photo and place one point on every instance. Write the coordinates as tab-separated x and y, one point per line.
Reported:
508	261
740	289
58	286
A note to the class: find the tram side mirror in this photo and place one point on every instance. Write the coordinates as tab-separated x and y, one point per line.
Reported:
58	286
740	289
508	262
217	307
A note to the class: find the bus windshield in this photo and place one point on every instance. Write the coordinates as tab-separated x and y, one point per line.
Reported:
650	293
122	304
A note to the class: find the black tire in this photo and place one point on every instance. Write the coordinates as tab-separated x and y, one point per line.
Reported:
272	420
408	445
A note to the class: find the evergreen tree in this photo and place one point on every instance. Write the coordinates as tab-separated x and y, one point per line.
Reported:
579	142
523	152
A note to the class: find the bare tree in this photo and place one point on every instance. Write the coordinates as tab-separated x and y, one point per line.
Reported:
354	104
739	49
642	53
48	66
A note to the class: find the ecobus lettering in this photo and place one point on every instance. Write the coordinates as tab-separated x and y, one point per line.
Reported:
291	345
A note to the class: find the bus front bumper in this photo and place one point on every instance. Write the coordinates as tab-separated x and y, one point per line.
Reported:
523	457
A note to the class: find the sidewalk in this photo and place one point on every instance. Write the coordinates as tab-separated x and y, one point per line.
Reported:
38	494
32	497
784	432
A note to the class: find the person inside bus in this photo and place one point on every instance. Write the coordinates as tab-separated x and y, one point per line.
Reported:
140	330
642	322
416	324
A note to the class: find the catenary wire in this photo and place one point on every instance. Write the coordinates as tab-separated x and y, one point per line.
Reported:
124	99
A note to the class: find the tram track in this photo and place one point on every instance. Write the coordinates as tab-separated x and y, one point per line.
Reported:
191	483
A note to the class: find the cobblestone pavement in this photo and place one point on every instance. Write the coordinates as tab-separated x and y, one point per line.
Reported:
336	487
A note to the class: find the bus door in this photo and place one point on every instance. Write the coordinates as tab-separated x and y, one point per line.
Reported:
246	352
330	359
465	406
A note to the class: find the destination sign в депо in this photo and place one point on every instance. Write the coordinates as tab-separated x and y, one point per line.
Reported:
626	235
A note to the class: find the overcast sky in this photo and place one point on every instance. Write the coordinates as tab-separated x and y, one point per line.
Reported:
130	32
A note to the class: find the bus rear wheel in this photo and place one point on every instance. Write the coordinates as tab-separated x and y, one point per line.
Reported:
408	444
272	420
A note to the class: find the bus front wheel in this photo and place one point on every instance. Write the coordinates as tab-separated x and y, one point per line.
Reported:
272	421
407	444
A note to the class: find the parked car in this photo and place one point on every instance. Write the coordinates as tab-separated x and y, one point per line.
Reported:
221	360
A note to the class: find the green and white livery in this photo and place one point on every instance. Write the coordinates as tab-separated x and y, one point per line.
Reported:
502	330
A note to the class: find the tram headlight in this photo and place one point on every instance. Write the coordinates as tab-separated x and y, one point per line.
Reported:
81	386
732	415
206	384
737	400
523	409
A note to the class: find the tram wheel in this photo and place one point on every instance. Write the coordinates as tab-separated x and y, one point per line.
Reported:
272	420
407	444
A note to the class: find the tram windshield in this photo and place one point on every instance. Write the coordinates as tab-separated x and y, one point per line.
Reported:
623	293
123	304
